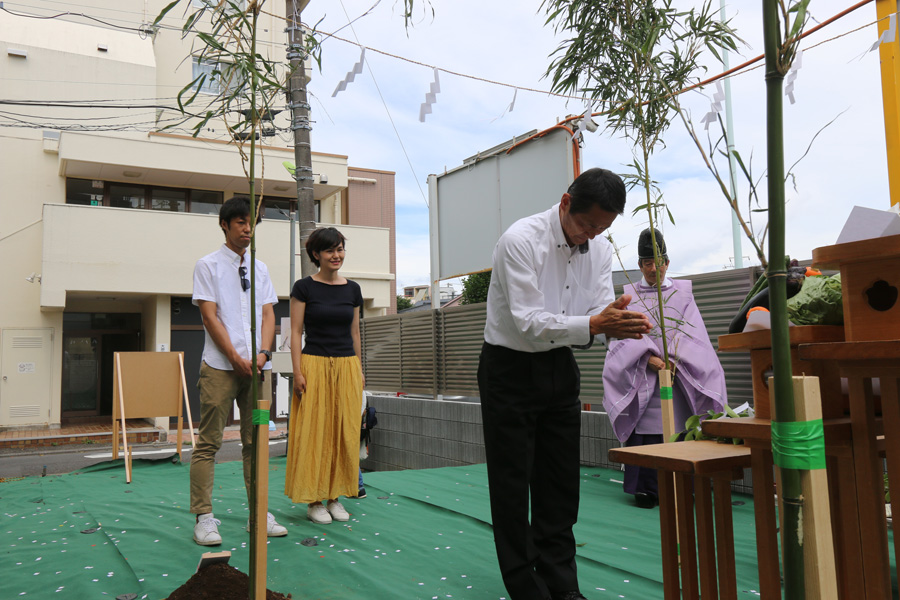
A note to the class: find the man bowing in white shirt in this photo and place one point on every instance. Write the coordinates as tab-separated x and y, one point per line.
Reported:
551	290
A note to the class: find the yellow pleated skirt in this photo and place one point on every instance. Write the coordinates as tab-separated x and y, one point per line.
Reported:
323	448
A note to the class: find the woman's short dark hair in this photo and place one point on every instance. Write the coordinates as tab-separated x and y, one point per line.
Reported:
324	238
597	187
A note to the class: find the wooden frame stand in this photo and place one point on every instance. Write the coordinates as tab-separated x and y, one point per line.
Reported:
147	385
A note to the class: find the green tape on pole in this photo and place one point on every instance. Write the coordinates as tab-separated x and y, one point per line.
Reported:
665	393
799	445
260	417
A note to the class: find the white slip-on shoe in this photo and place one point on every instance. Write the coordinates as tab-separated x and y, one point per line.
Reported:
317	513
273	529
337	511
206	531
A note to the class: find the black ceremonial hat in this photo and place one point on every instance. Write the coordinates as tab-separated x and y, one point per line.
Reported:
645	244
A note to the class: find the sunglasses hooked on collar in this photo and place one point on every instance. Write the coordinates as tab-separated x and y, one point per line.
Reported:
245	283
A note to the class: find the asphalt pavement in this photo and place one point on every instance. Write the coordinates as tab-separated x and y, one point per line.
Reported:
65	459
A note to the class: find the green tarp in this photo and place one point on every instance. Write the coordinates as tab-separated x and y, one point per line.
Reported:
419	534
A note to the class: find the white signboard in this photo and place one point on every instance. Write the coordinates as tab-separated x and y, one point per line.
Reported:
26	368
470	206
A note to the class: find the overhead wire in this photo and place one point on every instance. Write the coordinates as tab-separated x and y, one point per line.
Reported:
388	111
735	70
739	69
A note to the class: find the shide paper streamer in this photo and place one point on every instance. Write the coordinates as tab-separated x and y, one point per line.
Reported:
351	74
430	97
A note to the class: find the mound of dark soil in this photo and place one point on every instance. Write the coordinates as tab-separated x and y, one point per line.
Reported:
219	582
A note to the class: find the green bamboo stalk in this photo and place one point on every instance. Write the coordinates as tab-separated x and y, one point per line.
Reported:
792	500
660	303
254	385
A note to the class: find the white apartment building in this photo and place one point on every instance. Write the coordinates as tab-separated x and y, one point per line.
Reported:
103	216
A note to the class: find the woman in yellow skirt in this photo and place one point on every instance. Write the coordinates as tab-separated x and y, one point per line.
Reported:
323	450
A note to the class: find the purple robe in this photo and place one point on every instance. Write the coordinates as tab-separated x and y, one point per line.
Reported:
631	388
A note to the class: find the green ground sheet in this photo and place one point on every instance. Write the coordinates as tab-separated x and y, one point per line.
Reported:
419	534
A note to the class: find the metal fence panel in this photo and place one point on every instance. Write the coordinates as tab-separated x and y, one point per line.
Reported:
462	328
381	352
417	351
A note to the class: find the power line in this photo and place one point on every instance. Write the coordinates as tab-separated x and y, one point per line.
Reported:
72	14
388	111
145	28
740	69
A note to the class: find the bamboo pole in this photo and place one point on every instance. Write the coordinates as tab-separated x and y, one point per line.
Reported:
259	517
257	550
776	64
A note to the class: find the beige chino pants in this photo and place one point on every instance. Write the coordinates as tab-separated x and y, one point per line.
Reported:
218	390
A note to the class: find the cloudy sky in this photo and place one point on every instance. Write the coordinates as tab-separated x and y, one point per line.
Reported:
375	121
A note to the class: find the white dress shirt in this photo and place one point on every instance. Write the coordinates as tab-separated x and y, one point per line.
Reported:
543	292
217	279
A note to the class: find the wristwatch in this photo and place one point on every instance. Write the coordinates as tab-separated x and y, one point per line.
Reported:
267	353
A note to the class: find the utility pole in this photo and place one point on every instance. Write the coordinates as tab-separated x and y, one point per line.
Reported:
298	105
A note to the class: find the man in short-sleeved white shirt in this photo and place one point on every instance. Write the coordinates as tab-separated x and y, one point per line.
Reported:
222	291
551	290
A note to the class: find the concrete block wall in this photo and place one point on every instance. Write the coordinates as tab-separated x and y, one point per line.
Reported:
417	433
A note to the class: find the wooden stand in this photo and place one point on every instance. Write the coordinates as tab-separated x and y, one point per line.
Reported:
870	282
860	363
689	473
147	385
759	344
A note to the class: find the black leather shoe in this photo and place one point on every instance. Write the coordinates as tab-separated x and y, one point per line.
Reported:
576	595
645	500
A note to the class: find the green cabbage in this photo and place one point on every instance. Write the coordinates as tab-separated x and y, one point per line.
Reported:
818	302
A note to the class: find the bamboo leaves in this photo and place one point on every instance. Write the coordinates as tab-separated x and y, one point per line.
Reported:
225	64
626	57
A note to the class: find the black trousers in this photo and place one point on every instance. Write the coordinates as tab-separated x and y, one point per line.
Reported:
532	427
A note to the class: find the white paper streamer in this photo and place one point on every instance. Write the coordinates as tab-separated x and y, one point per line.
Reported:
715	107
509	108
889	34
582	124
351	75
792	75
430	97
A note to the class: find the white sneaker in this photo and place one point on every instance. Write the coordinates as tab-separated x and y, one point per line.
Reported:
206	531
273	529
317	513
337	511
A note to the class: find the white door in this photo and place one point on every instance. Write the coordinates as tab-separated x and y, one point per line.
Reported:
25	376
